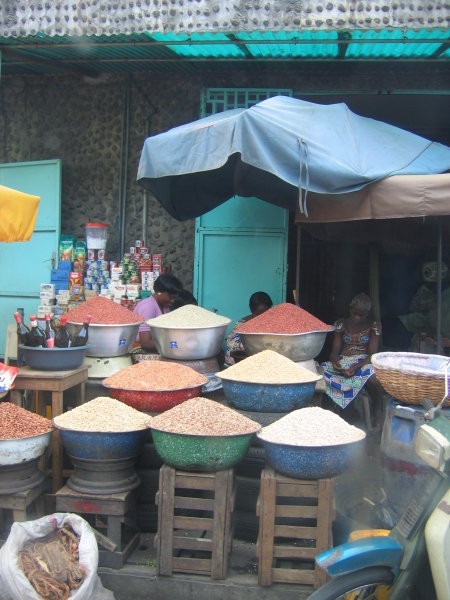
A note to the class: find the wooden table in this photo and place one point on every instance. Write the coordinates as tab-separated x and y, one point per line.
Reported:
56	382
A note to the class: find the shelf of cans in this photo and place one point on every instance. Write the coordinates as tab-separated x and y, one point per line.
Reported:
83	272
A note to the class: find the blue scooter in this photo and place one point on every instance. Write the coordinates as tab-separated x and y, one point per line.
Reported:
413	560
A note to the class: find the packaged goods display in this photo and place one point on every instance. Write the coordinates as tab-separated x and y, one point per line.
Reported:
84	271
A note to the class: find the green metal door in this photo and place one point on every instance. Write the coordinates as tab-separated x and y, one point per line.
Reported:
25	265
241	246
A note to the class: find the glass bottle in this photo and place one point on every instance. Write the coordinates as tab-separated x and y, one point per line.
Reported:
49	333
62	339
36	337
82	335
23	331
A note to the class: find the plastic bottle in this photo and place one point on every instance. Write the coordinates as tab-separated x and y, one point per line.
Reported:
49	333
23	331
82	335
36	337
62	339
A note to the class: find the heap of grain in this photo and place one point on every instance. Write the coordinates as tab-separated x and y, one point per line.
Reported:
311	426
16	422
103	414
102	312
189	317
283	318
200	416
268	367
155	375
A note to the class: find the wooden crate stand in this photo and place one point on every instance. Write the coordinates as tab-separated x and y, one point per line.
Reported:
194	522
112	513
295	524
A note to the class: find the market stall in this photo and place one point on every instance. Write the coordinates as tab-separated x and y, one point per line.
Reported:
406	208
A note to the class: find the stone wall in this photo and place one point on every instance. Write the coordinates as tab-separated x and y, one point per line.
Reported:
82	121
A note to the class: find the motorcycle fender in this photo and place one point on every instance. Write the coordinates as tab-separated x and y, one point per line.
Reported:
360	554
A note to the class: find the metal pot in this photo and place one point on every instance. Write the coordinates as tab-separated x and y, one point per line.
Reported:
188	343
297	346
108	340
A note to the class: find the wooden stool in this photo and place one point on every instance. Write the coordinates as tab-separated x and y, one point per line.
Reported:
21	503
300	513
121	537
194	522
56	382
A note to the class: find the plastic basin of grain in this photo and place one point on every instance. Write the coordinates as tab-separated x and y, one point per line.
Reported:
202	435
155	386
102	428
268	382
311	443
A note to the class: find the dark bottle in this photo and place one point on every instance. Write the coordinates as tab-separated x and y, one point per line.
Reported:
36	337
82	335
23	331
62	339
49	333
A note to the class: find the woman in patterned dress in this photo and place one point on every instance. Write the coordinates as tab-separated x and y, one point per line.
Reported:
349	368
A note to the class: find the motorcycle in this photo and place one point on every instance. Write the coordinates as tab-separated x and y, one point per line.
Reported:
411	561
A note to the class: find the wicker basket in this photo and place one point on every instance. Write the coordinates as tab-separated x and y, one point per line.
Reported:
411	377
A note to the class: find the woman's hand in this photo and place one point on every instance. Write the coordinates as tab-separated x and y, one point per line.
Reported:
337	366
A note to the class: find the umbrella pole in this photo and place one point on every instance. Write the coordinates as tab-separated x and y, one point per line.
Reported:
374	282
297	270
439	290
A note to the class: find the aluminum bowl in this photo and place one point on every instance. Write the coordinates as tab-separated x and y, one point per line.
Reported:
53	359
311	462
187	343
154	401
269	397
200	452
108	340
15	451
297	346
101	445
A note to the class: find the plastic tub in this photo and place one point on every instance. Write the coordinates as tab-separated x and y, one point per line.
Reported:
96	236
53	359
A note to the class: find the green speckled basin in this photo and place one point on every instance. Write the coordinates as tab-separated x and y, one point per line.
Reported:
200	452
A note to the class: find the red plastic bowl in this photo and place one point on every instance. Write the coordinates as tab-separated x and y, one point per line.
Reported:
154	401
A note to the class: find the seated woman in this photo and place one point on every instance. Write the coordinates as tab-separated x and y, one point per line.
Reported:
349	369
165	291
258	303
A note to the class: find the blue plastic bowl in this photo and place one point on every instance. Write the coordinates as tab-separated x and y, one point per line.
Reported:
310	462
93	445
268	397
